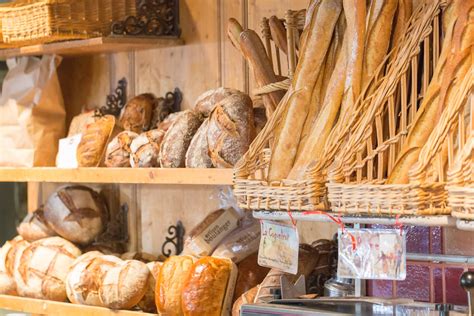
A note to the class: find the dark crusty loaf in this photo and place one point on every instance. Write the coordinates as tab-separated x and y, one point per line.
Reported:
205	102
177	139
137	114
197	155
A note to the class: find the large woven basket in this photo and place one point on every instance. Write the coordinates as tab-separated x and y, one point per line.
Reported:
40	21
357	178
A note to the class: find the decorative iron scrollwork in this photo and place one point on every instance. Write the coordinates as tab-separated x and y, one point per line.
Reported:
154	18
176	240
115	101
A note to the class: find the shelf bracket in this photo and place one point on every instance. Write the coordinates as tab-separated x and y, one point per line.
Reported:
115	101
154	18
175	239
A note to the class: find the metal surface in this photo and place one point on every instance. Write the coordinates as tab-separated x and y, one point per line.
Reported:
115	101
154	18
339	287
440	258
175	240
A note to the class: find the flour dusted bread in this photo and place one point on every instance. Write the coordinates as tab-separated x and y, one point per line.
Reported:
137	114
7	260
177	139
42	268
197	155
34	227
124	285
206	102
147	304
145	149
206	285
171	280
231	130
76	213
118	150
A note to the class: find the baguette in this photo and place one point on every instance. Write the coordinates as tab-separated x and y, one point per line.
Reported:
306	75
278	32
404	11
233	32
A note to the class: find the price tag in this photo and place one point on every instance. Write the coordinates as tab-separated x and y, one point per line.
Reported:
279	246
66	157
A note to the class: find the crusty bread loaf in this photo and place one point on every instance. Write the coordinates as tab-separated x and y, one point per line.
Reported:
118	150
278	32
76	213
91	148
177	139
197	155
206	102
42	268
231	130
250	275
170	283
124	285
168	121
246	298
204	290
137	113
147	304
34	226
7	260
145	149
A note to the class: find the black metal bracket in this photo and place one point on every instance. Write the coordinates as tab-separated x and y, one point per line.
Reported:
175	239
115	101
154	18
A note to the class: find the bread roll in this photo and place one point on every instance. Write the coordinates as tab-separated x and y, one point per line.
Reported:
147	304
231	130
145	149
250	275
171	280
177	139
76	213
140	256
205	287
91	148
41	270
206	102
136	116
246	298
124	285
197	155
34	227
118	150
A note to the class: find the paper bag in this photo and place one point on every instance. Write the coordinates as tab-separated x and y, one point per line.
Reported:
32	114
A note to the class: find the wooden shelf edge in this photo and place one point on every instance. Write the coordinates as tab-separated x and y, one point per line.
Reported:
44	307
181	176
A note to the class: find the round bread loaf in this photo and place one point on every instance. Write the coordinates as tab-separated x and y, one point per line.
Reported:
13	250
145	149
85	276
206	102
7	253
231	130
147	304
136	116
140	256
197	155
118	150
76	213
42	268
34	227
124	285
177	139
91	148
168	121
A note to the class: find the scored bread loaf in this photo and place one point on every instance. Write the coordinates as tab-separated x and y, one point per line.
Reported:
206	102
147	304
137	114
250	275
34	226
76	213
171	280
118	150
231	130
145	149
124	285
7	260
197	155
41	269
177	139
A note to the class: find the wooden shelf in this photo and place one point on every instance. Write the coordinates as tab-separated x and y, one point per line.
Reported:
44	307
91	46
119	175
441	220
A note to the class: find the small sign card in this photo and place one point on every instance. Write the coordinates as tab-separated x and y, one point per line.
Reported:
66	157
372	254
279	246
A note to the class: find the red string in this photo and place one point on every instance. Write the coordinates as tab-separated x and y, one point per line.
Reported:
399	224
291	217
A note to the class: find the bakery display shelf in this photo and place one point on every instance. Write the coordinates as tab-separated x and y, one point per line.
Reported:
462	224
119	175
441	220
44	307
94	45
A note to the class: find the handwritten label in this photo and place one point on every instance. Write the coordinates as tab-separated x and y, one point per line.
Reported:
279	246
66	157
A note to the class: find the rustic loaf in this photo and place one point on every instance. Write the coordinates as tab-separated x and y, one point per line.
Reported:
147	304
206	102
76	213
250	275
7	261
168	121
197	155
34	226
177	139
41	270
118	150
124	285
140	256
171	280
137	114
145	149
231	130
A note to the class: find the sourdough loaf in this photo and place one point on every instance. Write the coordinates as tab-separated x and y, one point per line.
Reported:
145	149
250	275
7	261
147	304
34	226
76	213
197	155
118	150
206	102
137	114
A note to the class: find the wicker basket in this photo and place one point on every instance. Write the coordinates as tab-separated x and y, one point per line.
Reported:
41	21
357	178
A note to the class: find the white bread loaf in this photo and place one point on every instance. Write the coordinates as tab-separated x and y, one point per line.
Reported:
34	227
42	268
76	213
124	285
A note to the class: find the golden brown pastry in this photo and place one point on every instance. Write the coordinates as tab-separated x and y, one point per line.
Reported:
137	114
91	149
